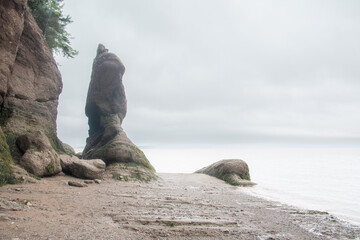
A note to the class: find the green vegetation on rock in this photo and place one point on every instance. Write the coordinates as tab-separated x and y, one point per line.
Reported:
5	155
131	172
50	19
68	149
231	179
14	150
34	176
6	172
117	176
5	114
51	167
141	158
55	142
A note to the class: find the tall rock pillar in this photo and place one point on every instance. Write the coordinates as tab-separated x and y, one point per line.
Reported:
106	108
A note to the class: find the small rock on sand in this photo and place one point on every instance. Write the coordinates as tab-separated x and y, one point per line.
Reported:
76	184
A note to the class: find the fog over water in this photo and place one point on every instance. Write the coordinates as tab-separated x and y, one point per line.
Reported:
221	72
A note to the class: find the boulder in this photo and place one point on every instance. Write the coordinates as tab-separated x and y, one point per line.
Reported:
41	164
39	157
106	108
232	171
87	169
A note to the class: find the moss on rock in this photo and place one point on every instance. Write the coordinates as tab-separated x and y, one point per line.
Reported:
140	158
131	172
55	142
5	155
6	113
14	150
68	149
51	167
6	172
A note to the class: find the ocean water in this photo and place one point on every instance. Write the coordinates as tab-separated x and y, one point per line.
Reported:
326	179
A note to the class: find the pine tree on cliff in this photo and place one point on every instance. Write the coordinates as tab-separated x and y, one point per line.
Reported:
49	16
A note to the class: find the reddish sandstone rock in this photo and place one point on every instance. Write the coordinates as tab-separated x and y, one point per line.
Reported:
106	109
30	80
87	169
30	85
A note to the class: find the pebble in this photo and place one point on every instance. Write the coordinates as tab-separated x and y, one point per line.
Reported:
98	181
76	184
88	181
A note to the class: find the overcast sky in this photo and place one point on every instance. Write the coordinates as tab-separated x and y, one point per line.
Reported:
215	72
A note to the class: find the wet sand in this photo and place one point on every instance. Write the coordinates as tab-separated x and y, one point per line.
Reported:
179	206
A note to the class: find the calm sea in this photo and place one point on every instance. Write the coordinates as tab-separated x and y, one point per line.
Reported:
326	179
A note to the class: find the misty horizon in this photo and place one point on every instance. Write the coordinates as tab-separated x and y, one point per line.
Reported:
221	73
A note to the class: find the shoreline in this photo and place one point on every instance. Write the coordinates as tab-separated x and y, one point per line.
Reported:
259	194
308	177
178	206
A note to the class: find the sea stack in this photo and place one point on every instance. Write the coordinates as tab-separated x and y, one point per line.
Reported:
106	108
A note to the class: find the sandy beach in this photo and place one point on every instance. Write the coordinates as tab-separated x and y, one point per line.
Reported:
178	206
232	89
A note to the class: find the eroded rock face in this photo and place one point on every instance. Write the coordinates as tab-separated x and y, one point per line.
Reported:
232	171
30	82
11	28
106	108
106	95
87	169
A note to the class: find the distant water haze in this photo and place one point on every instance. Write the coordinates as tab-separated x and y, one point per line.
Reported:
325	179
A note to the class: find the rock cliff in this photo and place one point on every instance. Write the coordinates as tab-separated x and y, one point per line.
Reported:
106	109
30	82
